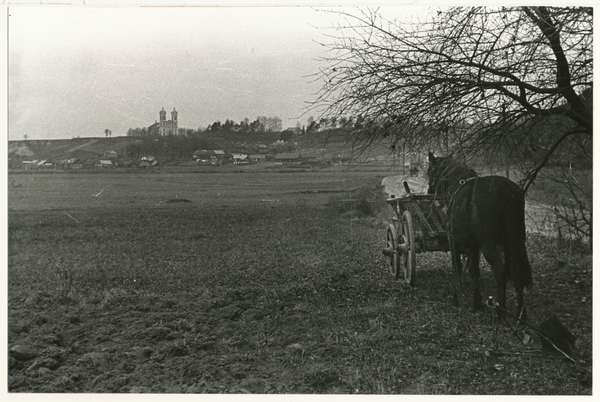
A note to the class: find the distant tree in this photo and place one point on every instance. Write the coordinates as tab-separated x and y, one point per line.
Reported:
274	124
358	124
350	122
313	127
228	125
343	122
256	126
263	120
333	122
216	126
286	135
324	122
245	125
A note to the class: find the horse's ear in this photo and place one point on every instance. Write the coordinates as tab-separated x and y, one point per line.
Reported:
431	157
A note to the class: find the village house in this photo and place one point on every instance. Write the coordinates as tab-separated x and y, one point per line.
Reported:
27	165
257	158
222	156
73	163
295	130
205	156
147	162
340	159
89	163
278	146
43	164
110	155
104	163
201	154
239	159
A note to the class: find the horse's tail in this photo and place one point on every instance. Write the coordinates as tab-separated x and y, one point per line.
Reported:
517	263
515	252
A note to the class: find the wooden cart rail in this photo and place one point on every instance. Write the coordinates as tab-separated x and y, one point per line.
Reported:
420	226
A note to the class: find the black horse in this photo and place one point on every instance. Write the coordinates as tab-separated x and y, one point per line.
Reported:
484	214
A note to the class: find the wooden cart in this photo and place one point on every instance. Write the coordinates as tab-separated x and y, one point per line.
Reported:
419	226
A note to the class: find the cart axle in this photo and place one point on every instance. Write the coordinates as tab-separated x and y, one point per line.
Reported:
388	252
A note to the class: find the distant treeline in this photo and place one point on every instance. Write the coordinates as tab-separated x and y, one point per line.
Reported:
264	124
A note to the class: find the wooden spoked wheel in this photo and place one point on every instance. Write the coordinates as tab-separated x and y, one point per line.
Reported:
406	246
391	251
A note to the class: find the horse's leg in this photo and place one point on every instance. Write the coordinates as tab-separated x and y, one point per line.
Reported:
493	257
521	311
456	271
516	257
473	268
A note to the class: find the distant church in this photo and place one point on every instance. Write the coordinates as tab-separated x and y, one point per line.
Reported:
164	126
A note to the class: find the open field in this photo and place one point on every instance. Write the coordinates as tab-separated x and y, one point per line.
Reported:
260	283
146	189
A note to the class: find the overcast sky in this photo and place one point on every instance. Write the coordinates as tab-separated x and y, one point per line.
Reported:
78	70
75	71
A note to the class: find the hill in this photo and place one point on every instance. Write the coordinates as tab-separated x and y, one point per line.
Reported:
82	148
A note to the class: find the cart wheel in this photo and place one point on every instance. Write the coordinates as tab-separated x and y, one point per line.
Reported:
391	251
407	247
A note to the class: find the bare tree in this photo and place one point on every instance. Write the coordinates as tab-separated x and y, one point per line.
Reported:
504	85
463	78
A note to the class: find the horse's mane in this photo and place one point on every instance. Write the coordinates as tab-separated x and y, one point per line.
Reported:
452	168
446	171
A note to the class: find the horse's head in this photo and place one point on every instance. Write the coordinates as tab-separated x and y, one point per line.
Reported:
435	174
445	172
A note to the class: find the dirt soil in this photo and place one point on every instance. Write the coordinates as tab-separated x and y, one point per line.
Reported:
267	298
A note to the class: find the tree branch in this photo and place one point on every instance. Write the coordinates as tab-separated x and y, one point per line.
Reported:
531	176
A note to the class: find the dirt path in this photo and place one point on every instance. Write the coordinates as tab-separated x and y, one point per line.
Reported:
86	144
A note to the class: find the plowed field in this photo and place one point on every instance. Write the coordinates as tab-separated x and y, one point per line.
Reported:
260	283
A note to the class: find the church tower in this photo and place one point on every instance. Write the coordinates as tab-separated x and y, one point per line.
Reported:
164	126
162	122
174	119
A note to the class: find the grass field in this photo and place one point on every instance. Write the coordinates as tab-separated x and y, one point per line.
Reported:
260	283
